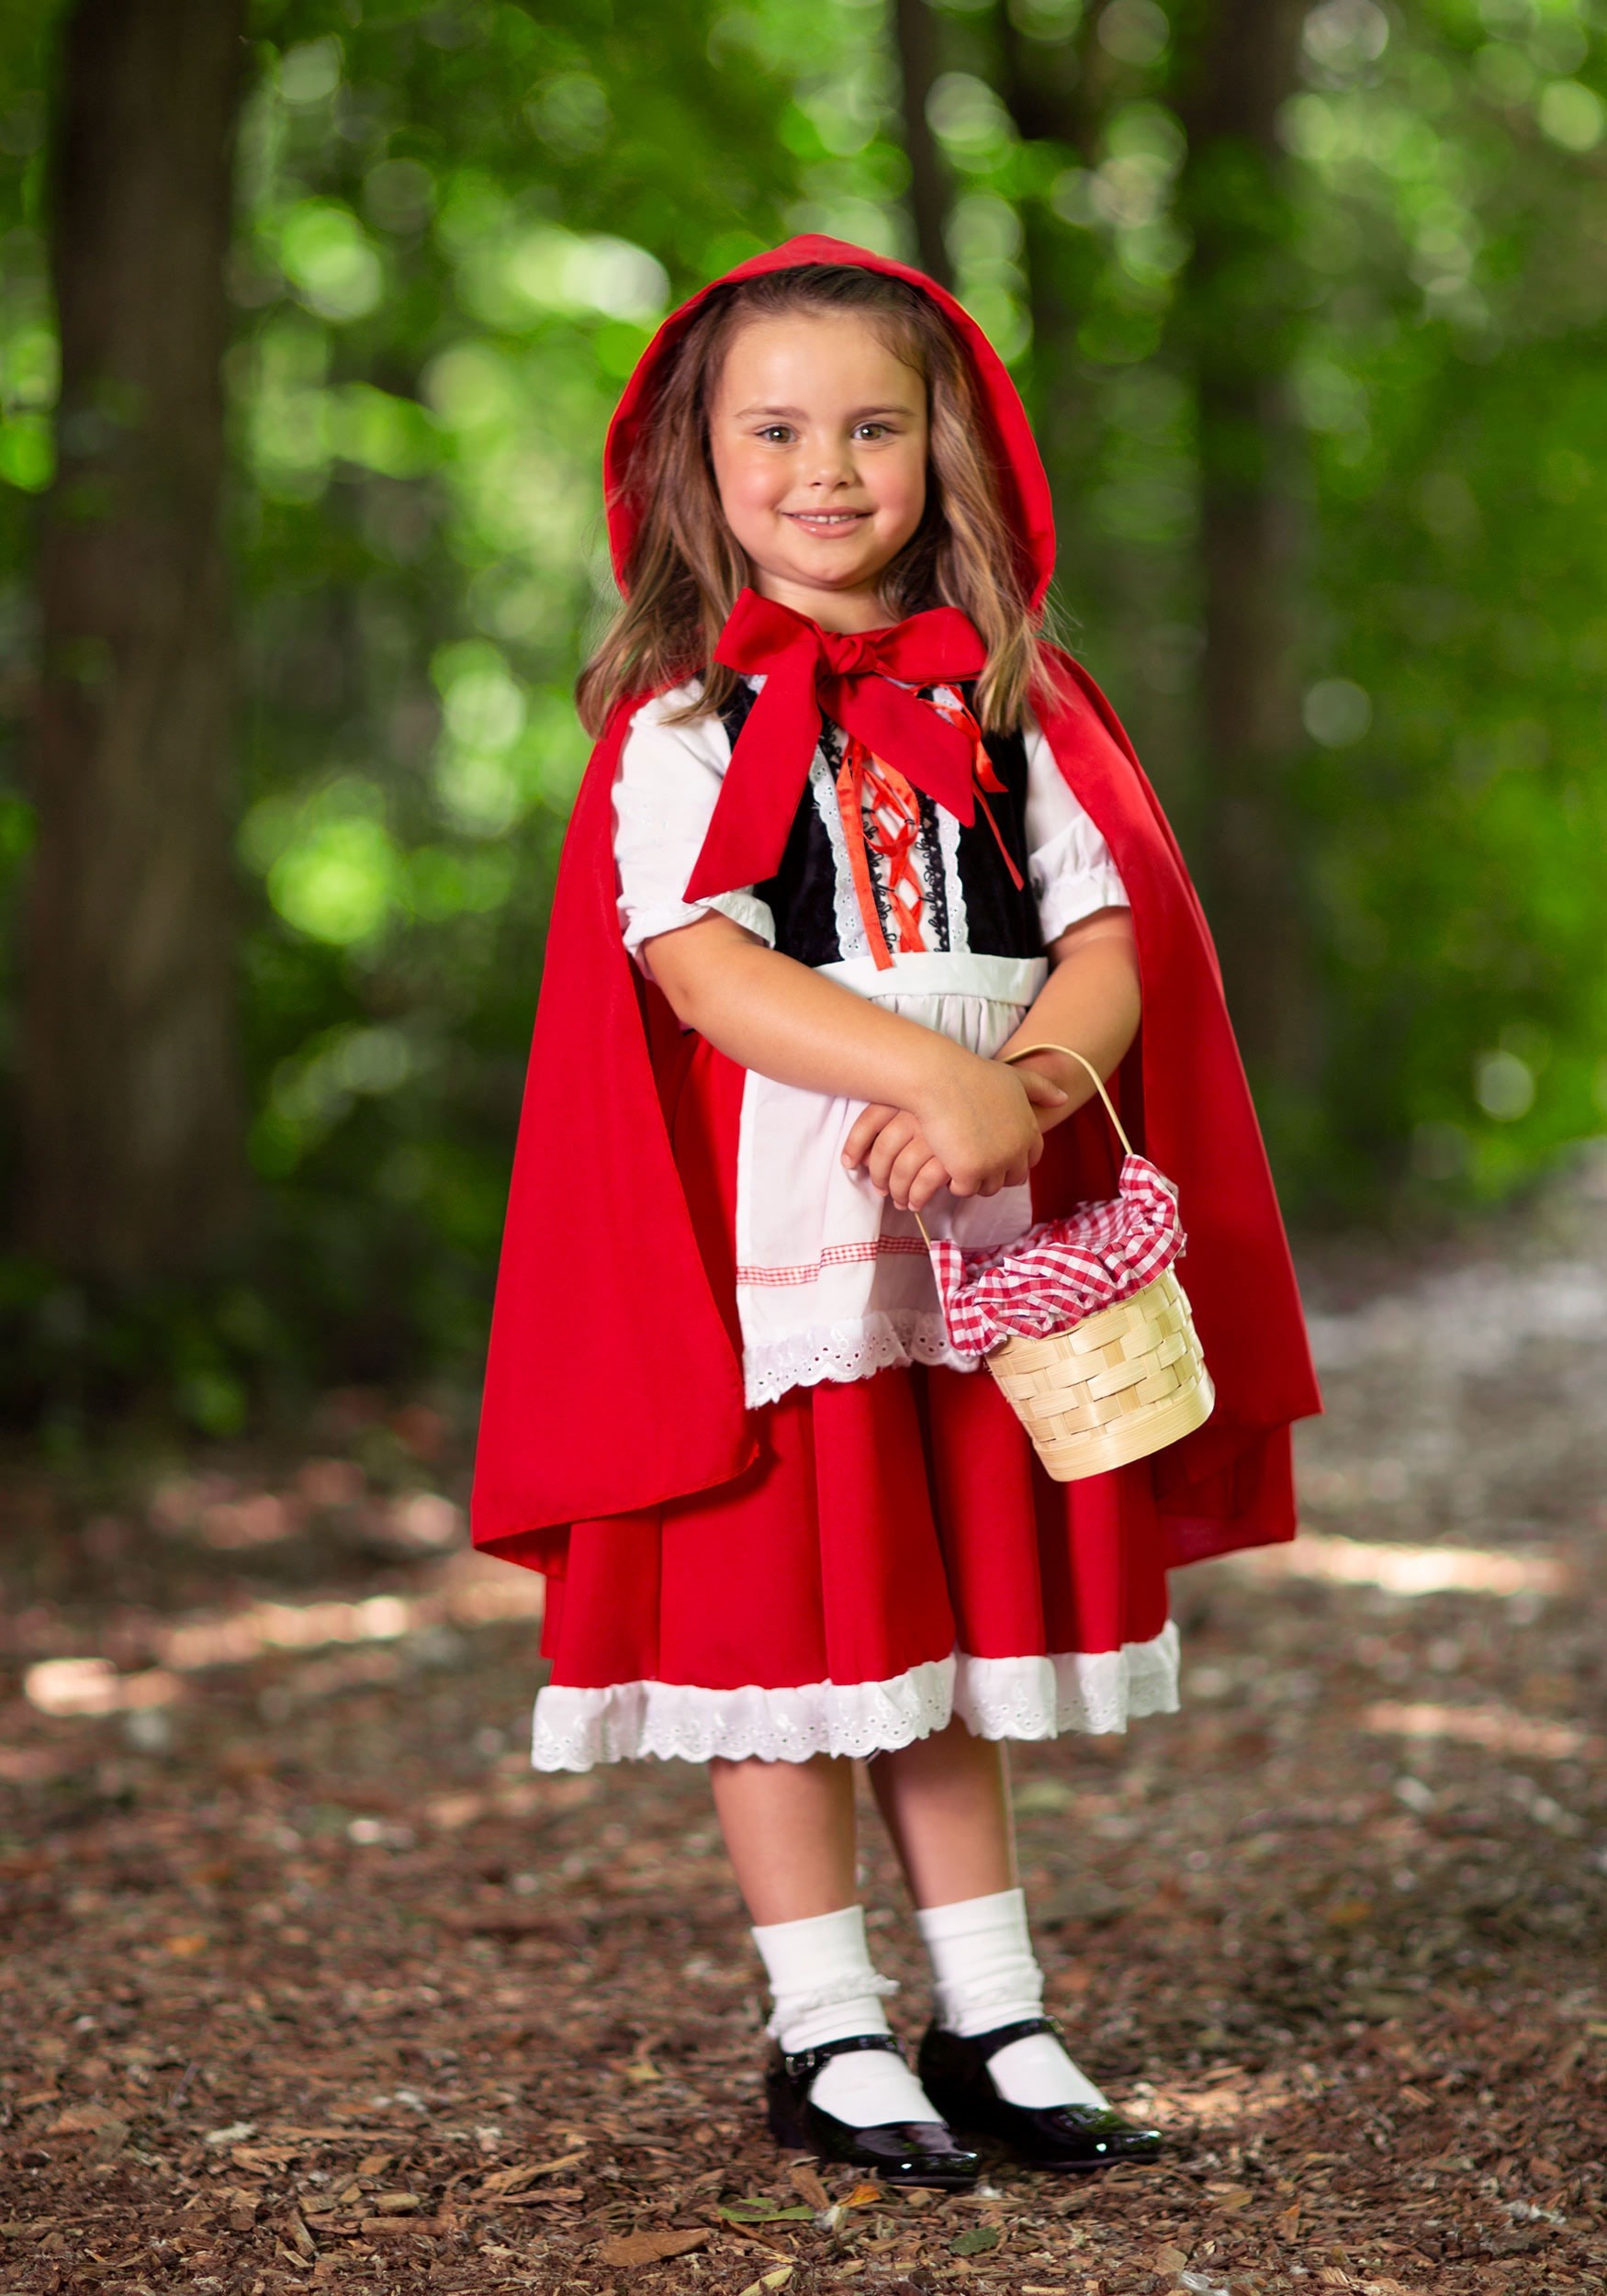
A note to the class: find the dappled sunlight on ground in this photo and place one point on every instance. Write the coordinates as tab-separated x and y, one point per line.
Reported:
310	1980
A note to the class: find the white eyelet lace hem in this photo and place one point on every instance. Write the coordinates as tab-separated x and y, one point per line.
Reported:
1024	1697
853	1351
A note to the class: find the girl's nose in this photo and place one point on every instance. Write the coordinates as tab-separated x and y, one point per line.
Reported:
832	464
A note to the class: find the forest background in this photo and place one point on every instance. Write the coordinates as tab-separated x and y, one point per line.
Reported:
314	312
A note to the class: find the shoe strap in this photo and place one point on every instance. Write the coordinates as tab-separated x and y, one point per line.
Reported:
1001	2037
804	2063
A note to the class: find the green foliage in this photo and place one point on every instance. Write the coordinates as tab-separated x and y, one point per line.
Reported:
1432	276
459	221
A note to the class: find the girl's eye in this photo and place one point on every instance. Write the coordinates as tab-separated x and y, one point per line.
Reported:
873	430
780	431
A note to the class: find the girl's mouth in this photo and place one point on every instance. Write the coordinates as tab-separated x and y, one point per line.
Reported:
827	522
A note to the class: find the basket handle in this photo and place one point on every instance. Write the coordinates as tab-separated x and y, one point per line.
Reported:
1020	1054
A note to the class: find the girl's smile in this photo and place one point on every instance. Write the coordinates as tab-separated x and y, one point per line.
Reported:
827	522
818	438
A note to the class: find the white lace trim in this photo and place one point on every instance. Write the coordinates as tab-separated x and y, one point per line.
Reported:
846	1351
1096	1691
851	925
953	885
680	1721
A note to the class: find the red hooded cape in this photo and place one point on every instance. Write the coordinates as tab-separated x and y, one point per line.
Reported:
612	1383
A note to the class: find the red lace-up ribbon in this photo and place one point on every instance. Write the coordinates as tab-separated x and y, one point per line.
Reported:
881	814
862	680
888	824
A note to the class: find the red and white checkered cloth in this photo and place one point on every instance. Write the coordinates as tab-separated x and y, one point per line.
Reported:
1061	1270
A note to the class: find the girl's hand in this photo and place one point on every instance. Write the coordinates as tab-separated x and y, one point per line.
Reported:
979	1132
896	1157
981	1121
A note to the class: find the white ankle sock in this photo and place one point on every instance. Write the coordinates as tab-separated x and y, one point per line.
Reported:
987	1975
825	1989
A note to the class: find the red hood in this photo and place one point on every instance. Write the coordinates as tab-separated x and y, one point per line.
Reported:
1023	483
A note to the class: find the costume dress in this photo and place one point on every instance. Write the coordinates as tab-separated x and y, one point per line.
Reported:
778	1516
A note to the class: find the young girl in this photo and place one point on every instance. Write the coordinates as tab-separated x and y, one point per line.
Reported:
852	836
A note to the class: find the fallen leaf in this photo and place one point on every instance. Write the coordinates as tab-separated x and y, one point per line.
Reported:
759	2212
1231	2196
1348	1913
863	2195
975	2242
78	2119
649	2247
426	2225
506	2180
1288	2223
778	2278
397	2203
551	2167
187	1944
806	2180
1169	2259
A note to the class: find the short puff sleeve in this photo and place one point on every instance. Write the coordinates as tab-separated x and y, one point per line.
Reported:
665	790
1068	865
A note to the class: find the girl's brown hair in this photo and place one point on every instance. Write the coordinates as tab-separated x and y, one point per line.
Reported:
686	566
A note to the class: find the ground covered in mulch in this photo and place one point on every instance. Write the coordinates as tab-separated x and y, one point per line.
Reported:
307	1980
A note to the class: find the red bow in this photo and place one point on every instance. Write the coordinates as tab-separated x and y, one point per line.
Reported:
808	670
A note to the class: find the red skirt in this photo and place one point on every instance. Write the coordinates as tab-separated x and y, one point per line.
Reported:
894	1556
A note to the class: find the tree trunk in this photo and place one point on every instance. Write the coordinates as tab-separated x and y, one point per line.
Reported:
914	34
1235	322
130	1099
1046	88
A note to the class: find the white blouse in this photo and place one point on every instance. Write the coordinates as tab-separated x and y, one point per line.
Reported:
832	1279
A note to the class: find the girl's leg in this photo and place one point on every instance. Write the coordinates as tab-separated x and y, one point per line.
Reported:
944	1801
946	1804
789	1827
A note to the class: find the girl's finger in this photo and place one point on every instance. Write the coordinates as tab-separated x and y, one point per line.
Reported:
931	1176
866	1126
907	1166
1042	1090
891	1143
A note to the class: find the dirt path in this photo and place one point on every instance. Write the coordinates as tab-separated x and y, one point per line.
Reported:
307	1980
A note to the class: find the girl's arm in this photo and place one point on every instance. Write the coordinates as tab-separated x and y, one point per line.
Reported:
1090	1001
769	1013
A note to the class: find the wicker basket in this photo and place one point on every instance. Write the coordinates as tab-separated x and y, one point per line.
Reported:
1127	1381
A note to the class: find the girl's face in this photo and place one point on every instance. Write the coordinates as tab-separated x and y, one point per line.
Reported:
819	437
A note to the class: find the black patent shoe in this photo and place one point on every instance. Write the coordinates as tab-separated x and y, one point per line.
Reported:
954	2074
899	2151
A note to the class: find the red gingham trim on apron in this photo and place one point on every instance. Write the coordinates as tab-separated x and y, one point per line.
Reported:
834	1255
